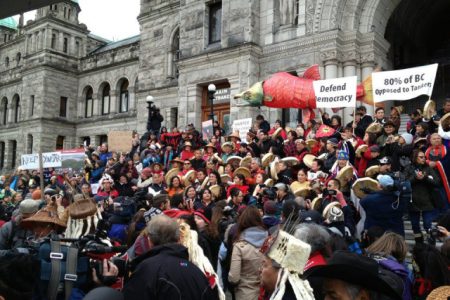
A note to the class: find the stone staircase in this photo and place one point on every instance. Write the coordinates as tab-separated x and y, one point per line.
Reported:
409	238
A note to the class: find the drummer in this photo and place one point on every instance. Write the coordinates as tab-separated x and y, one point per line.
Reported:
300	149
275	127
341	162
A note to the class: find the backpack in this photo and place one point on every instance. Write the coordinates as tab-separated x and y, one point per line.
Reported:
61	269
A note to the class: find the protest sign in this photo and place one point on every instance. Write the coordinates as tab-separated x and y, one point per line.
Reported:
403	84
73	159
335	93
120	141
207	130
243	126
49	159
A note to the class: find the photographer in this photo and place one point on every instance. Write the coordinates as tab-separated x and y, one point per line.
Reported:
12	236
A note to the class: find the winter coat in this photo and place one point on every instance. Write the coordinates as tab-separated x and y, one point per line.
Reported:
423	190
384	209
168	274
246	261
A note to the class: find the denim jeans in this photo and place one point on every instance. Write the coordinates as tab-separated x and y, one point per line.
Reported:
427	217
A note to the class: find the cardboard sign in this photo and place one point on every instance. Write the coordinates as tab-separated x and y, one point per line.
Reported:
243	126
207	130
403	84
335	93
49	159
120	141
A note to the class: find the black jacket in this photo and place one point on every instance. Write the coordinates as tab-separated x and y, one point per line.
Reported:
168	274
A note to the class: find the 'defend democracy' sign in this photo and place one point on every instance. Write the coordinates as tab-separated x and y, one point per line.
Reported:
49	159
335	93
403	84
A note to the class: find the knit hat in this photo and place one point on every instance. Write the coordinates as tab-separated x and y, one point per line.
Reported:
201	215
385	180
270	208
28	206
333	141
342	155
375	148
407	137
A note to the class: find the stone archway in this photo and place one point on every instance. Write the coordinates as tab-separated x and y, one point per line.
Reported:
418	35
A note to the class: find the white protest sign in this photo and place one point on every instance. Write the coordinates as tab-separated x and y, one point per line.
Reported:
403	84
243	126
49	159
335	93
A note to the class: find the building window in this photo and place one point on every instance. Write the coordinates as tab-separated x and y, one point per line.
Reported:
17	110
7	62
106	100
4	111
65	12
77	48
103	139
215	22
89	103
124	96
53	42
31	105
14	154
18	58
65	45
63	107
68	14
174	55
29	144
2	155
60	142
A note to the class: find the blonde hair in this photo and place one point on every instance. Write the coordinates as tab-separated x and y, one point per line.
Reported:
391	244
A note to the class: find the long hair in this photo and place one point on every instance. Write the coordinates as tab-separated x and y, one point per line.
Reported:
432	264
213	228
390	244
250	217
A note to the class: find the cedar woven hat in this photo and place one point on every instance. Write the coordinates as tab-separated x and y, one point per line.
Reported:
440	293
211	146
234	160
47	215
363	186
399	109
171	173
345	175
308	160
361	271
227	144
244	171
445	122
235	134
311	143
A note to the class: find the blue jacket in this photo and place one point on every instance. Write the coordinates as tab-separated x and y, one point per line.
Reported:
384	209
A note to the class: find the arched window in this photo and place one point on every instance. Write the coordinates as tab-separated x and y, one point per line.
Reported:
89	103
124	96
7	62
174	54
18	58
106	99
16	109
29	143
4	110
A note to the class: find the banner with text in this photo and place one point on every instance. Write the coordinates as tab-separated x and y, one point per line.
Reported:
403	84
49	159
243	126
335	93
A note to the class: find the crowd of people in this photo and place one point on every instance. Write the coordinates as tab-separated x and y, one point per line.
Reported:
312	212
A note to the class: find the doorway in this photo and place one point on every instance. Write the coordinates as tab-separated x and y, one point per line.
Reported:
418	35
221	106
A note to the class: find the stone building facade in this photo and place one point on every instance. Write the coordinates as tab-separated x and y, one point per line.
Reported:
61	86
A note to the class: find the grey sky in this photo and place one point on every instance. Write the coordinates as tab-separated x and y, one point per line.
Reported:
110	19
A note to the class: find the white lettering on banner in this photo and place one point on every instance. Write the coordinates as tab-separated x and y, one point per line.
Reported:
336	93
403	84
49	159
243	125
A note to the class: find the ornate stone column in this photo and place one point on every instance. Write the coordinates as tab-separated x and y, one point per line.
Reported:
349	70
367	65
